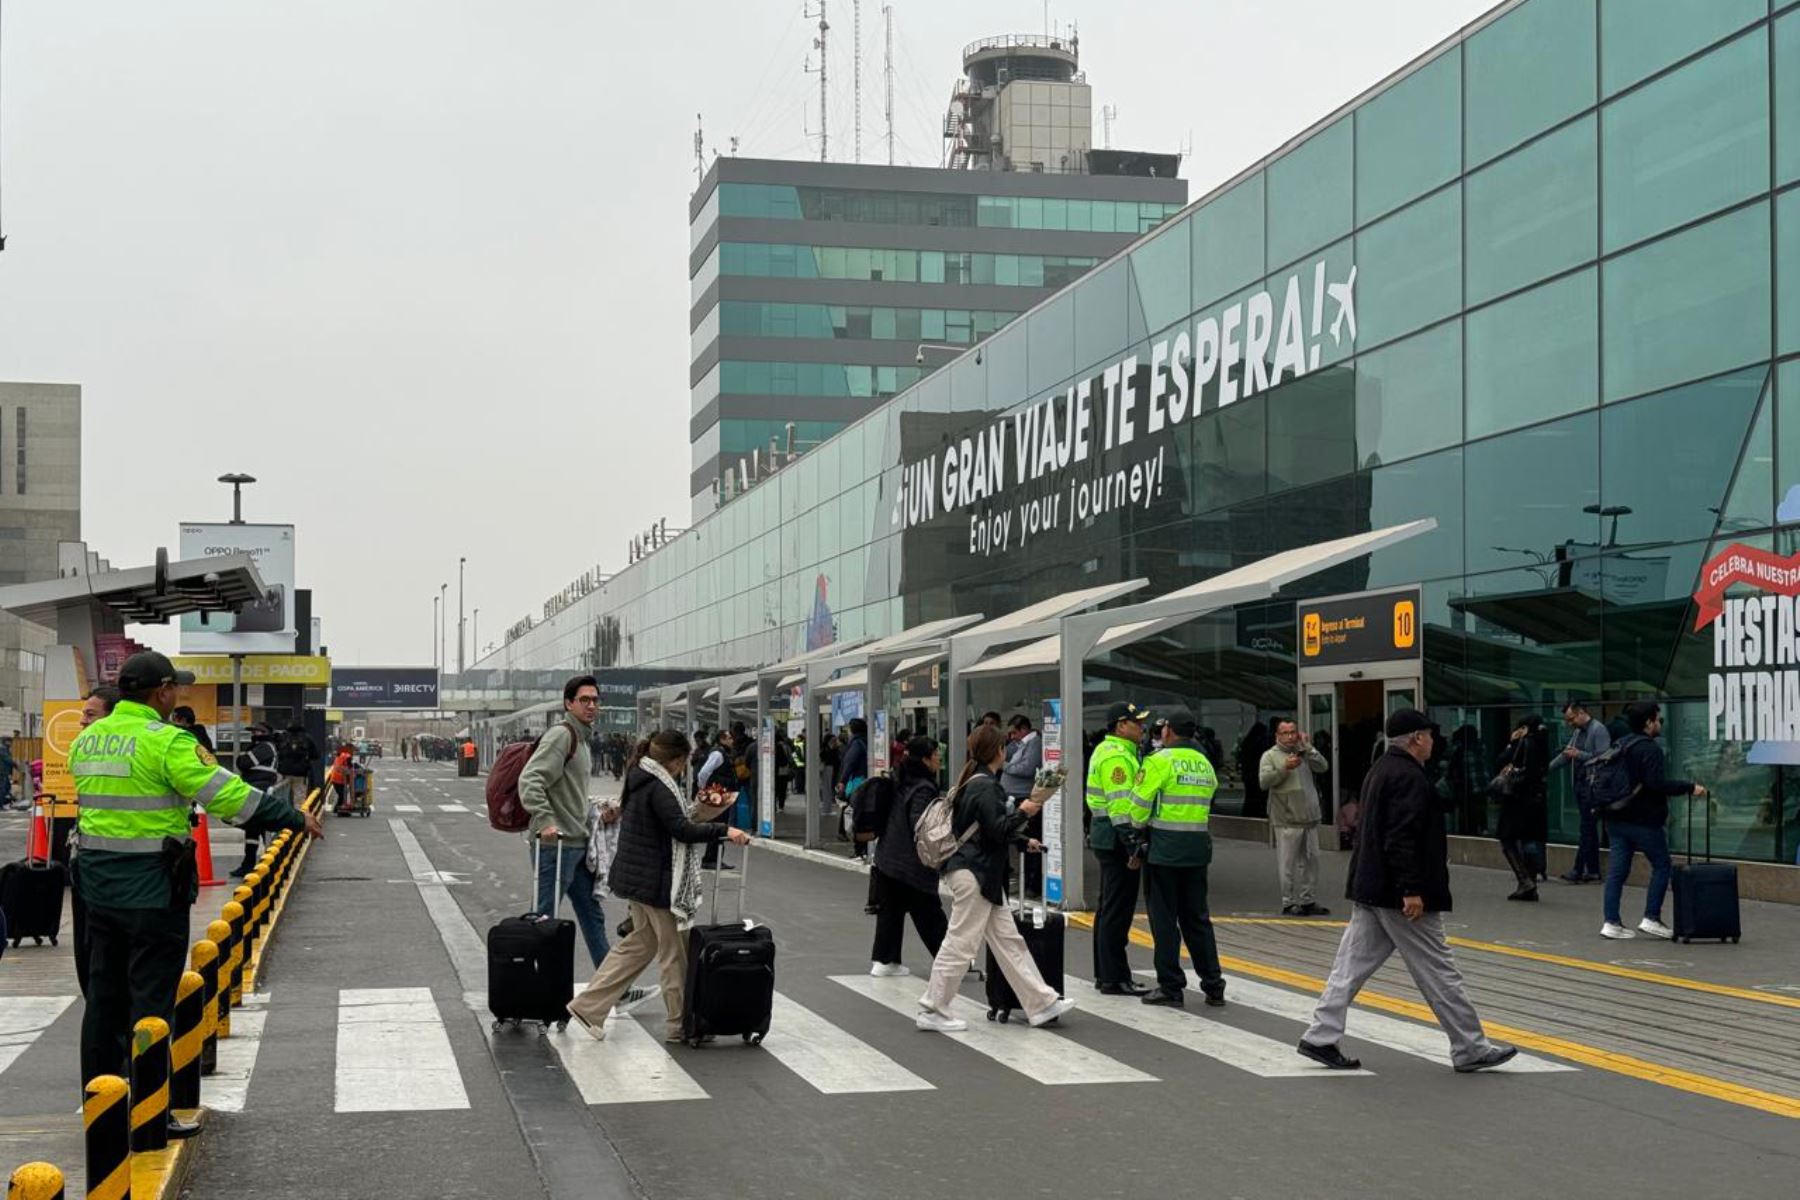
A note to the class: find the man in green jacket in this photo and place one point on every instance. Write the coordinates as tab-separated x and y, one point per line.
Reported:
138	776
1111	772
1287	772
1167	821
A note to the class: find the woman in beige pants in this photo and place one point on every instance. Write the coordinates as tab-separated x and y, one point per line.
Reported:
656	870
974	879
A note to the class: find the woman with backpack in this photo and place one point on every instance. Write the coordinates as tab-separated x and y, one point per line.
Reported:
974	877
1521	789
904	886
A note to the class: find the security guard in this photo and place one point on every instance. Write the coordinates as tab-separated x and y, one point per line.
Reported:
1166	815
1111	772
138	777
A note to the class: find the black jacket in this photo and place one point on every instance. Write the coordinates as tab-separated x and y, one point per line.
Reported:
854	763
986	854
1401	848
896	854
650	823
1644	765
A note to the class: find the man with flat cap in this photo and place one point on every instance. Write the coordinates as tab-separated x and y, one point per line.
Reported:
138	775
1166	827
1111	773
1399	890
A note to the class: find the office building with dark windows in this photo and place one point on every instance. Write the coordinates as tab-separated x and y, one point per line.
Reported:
1540	287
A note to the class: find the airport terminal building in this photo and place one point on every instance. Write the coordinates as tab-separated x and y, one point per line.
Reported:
1542	286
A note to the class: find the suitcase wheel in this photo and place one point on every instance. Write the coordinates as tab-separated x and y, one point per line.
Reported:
1734	941
54	936
753	1039
498	1025
562	1026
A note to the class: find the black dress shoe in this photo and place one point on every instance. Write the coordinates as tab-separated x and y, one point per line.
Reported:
1132	988
1291	910
1330	1056
183	1129
1162	996
1314	910
1498	1053
1215	999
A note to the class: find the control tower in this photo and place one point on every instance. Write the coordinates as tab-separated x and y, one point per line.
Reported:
1022	104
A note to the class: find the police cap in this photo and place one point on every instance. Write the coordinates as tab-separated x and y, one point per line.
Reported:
1182	722
147	669
1124	710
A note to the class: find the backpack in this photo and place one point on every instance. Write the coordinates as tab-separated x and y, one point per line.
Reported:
294	756
934	837
870	805
506	812
1609	786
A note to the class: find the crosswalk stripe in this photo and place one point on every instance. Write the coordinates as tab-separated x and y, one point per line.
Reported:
833	1061
1035	1053
1240	1048
393	1053
629	1067
452	808
406	808
229	1086
23	1019
1421	1041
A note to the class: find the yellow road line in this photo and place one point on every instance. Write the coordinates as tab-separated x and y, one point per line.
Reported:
1592	1056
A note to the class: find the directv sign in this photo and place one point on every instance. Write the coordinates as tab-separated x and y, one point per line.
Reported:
384	687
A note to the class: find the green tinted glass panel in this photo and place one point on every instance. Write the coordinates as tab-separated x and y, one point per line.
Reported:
1409	138
1676	487
1312	428
1534	356
1687	306
1532	213
1100	320
1640	37
1422	487
1409	268
1050	335
1409	396
1787	98
1686	144
1787	446
1310	194
1561	462
1527	71
1787	270
1160	270
1750	503
1228	241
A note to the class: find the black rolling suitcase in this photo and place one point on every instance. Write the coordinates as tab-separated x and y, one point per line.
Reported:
1042	928
531	963
730	975
31	894
1705	894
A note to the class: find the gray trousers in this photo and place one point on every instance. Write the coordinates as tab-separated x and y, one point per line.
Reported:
1297	853
1374	934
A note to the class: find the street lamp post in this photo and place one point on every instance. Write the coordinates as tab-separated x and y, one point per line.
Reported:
237	480
434	634
475	633
443	627
460	563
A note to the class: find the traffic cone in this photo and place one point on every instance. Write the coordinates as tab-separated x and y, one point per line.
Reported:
38	847
203	854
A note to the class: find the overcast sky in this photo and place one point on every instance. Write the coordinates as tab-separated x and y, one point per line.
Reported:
420	265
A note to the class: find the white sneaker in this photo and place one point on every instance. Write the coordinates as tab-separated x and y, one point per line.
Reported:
1655	928
1616	932
936	1022
1054	1011
598	1033
888	970
636	998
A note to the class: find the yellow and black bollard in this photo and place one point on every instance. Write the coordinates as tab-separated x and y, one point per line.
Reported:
205	959
150	1085
233	912
106	1118
190	1036
35	1181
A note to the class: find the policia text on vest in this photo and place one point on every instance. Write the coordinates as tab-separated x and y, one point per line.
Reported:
1166	824
1112	771
138	778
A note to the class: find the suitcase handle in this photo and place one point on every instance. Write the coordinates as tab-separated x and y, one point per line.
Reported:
537	876
743	882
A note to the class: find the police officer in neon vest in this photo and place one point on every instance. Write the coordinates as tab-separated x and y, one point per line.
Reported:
1111	773
138	777
1166	816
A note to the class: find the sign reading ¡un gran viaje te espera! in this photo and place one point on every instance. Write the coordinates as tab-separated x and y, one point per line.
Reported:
1243	348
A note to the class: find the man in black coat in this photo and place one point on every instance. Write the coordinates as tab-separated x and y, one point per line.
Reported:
1400	888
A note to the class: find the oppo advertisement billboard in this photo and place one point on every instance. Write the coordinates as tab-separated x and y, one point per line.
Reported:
266	627
384	687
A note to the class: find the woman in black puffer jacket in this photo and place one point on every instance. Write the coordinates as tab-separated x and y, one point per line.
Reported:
904	886
656	868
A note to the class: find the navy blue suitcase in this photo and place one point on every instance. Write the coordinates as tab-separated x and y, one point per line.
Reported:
1705	894
31	896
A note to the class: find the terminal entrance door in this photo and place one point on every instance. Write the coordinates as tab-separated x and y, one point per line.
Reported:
1360	660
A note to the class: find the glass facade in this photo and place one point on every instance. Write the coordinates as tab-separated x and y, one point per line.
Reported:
1543	288
875	265
753	318
787	202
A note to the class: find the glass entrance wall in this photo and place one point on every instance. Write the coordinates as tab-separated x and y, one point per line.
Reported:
1538	286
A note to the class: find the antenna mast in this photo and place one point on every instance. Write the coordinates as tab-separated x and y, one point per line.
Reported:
887	70
819	44
699	152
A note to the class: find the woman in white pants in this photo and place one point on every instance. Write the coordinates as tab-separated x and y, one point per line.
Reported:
974	880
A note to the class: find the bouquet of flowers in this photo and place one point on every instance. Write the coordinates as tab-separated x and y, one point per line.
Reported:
713	799
1047	783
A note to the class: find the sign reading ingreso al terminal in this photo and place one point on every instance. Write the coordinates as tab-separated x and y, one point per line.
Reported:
384	687
1367	628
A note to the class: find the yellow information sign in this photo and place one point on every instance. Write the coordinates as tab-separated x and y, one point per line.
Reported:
62	721
310	670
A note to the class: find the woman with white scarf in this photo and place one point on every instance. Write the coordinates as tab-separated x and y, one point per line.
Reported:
656	869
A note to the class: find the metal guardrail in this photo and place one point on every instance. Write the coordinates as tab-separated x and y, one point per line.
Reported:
1031	41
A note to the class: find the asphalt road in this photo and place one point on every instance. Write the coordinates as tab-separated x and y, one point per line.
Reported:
377	1074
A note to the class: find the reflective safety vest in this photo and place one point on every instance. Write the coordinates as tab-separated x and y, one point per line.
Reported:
1111	772
137	776
1173	799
